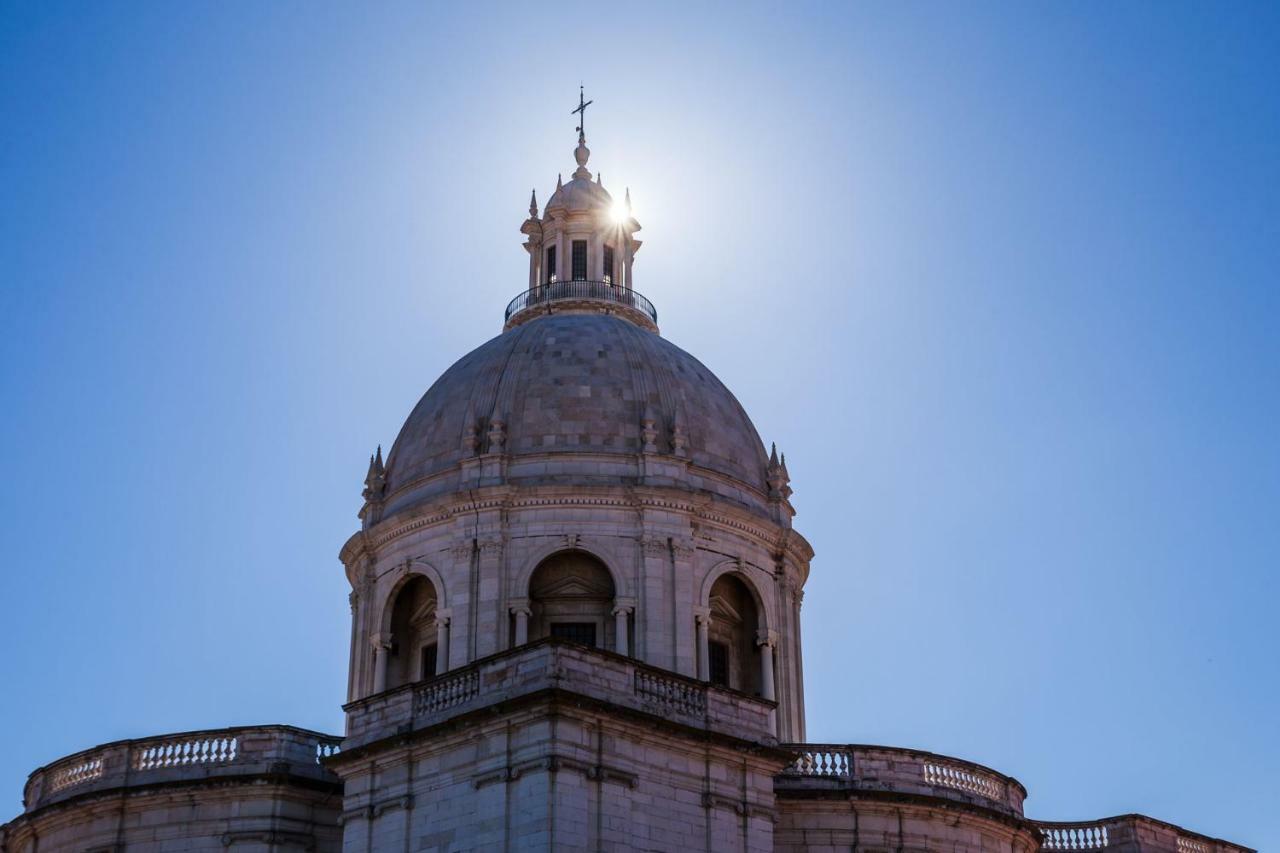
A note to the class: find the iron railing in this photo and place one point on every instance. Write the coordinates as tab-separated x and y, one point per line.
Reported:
558	291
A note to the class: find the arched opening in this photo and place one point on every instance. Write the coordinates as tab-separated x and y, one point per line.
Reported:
412	655
732	655
571	596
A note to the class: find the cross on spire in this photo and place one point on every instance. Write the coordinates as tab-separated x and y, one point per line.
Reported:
581	112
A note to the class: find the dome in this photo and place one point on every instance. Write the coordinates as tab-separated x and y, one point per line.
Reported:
580	194
585	385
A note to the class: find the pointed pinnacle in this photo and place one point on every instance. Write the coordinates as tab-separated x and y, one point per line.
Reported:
533	203
773	455
559	182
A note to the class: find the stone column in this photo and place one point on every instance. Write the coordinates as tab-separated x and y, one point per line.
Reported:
522	614
702	616
766	640
620	626
443	617
381	645
595	255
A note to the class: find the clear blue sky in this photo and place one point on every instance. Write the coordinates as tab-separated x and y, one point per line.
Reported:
1001	280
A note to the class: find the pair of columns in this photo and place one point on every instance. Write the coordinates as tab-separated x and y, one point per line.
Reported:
621	625
382	650
765	639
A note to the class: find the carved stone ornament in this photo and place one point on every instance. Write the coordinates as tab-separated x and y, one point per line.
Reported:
654	547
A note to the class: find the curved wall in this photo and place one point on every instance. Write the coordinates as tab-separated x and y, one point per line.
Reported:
247	789
663	548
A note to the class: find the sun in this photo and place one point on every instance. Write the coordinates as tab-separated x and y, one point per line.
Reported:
618	213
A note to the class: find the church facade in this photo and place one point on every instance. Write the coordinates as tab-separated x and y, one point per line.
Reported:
575	626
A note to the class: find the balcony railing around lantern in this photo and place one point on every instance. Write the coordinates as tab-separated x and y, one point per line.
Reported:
563	291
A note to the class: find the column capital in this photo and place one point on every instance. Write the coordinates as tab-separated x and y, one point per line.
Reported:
766	637
444	615
380	640
521	606
702	615
622	610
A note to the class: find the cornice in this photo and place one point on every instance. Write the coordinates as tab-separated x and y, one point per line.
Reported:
706	508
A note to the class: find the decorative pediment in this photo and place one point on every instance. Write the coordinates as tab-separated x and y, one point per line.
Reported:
723	611
572	587
426	613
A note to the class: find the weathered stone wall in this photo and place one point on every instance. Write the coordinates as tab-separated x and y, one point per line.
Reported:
554	776
847	823
558	747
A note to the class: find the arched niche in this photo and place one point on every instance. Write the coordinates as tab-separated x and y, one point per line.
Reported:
733	658
412	632
571	595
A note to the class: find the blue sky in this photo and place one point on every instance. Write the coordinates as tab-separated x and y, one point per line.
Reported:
1000	279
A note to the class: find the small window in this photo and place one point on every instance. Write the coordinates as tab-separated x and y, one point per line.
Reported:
579	260
551	264
575	632
719	663
608	264
429	661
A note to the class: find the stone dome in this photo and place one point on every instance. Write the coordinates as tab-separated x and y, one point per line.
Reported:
579	386
580	194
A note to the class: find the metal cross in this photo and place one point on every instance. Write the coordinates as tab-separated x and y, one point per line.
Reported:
582	108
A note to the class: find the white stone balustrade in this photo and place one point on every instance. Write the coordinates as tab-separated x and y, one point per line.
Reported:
964	778
185	751
906	770
447	692
551	665
245	750
75	773
1083	836
668	694
825	762
1129	832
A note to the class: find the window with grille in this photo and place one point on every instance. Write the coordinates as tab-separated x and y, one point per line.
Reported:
429	661
576	632
718	661
579	260
608	264
551	264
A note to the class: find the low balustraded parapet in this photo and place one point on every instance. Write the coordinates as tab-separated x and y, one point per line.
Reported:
553	666
1131	833
911	771
1074	836
446	692
822	761
670	695
190	756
